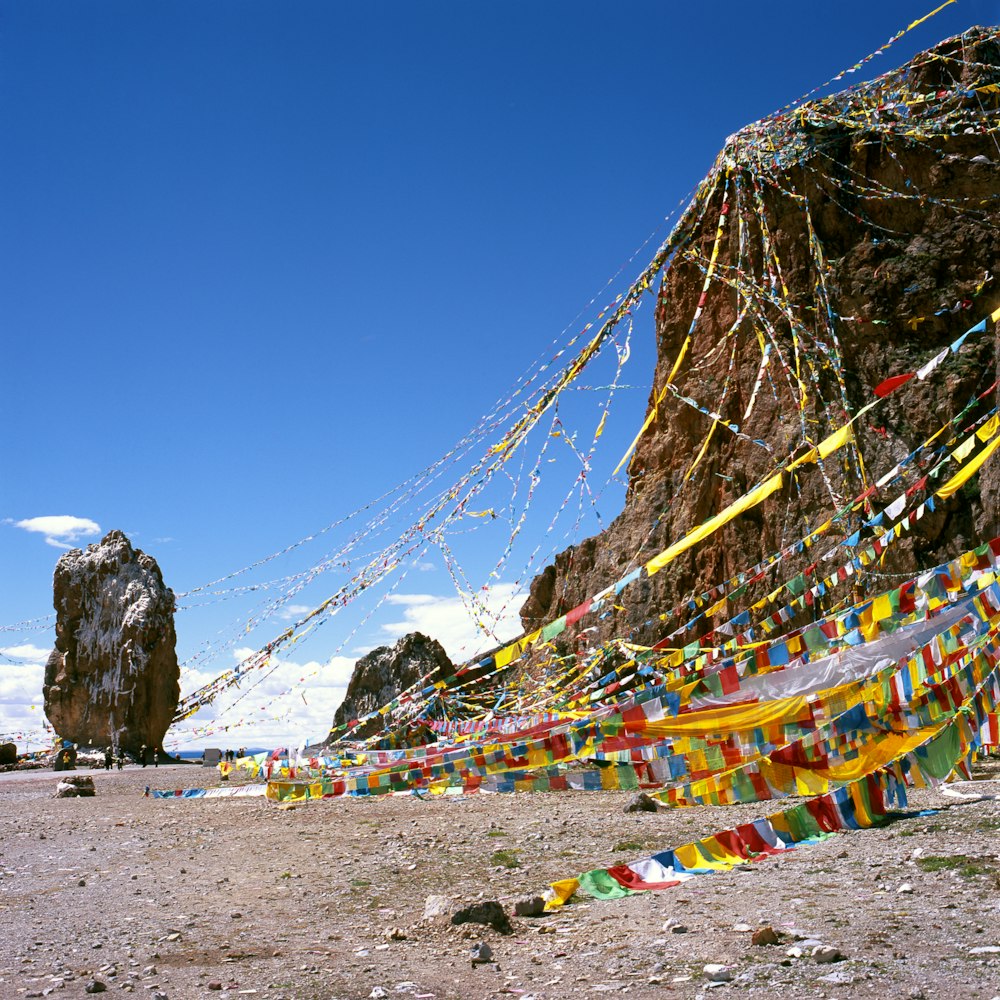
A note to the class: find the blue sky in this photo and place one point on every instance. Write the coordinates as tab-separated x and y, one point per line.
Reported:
260	262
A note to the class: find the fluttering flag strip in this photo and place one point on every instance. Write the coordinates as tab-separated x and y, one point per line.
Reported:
726	230
754	150
862	802
819	680
651	736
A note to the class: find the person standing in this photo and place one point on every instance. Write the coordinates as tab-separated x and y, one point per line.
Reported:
142	754
108	757
156	757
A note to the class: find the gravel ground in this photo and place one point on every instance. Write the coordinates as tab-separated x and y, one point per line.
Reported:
184	898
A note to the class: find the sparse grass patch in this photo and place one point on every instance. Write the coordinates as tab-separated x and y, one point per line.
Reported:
505	858
497	833
629	845
964	866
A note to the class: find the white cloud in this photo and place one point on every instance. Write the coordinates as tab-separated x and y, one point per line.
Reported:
295	703
448	620
295	611
413	600
62	531
22	671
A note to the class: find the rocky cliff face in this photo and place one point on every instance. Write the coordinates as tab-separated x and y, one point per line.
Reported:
112	679
858	238
386	671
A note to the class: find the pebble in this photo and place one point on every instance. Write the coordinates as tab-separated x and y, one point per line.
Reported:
985	949
481	953
825	953
764	936
176	936
718	973
839	978
531	906
438	907
641	802
742	928
905	889
95	986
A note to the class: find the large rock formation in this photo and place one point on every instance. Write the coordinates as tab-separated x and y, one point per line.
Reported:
862	234
112	678
386	671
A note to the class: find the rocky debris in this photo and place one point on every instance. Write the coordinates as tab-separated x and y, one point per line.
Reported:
438	909
617	942
386	671
481	953
490	913
532	906
112	679
641	802
908	279
394	934
75	786
674	926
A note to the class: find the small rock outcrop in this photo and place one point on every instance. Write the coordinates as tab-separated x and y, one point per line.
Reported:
490	912
75	786
385	672
112	679
8	753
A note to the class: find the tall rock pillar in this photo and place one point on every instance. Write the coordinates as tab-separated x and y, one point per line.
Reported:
112	679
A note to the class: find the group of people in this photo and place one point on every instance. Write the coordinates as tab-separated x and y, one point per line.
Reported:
144	755
110	757
232	755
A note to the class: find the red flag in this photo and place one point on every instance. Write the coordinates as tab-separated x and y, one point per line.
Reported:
891	384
